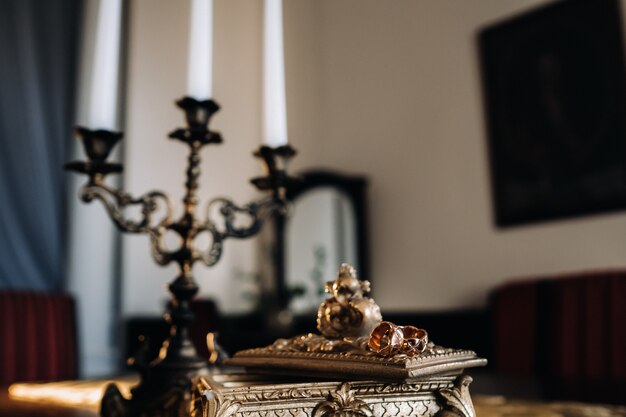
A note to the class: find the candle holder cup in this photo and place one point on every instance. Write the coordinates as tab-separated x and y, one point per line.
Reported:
97	145
274	162
198	114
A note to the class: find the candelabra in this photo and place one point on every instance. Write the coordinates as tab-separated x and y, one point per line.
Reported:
166	383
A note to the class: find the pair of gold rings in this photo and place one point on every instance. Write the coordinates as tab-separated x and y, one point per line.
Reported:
388	339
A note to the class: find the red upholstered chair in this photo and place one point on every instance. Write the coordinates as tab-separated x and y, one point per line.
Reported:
37	337
569	329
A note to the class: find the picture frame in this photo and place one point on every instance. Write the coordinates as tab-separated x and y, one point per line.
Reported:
555	98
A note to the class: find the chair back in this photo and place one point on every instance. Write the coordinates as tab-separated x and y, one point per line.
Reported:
37	337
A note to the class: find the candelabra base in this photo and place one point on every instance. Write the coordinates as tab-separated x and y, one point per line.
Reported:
165	390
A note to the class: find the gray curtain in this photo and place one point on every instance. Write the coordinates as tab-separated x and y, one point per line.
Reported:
38	57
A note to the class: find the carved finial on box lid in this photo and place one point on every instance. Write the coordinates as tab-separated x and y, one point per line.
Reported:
350	312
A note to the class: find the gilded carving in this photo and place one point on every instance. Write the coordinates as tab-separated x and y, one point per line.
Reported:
389	389
456	400
350	312
343	403
215	405
274	394
439	396
416	408
287	394
345	347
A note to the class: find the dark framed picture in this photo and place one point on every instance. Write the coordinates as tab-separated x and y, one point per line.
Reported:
555	97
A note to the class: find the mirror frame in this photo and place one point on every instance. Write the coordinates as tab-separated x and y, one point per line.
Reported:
354	187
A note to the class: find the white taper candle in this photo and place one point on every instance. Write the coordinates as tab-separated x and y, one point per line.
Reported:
274	103
103	100
199	61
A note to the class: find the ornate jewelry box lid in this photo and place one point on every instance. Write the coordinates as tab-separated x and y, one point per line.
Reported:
351	365
356	344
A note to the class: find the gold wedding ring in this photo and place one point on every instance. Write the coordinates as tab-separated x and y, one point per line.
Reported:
388	339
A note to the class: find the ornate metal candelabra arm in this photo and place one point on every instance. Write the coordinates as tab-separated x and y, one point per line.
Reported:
274	161
98	145
257	213
115	201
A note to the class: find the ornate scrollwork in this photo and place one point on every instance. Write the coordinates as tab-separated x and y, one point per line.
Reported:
342	403
116	201
208	402
98	145
315	343
456	401
257	213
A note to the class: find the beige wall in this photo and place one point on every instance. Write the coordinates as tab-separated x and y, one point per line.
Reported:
387	89
402	103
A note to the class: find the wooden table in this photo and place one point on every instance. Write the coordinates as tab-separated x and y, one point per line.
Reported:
66	398
16	408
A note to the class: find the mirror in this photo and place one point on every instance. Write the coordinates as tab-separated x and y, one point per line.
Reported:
326	228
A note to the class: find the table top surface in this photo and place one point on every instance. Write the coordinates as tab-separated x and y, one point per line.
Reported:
16	408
